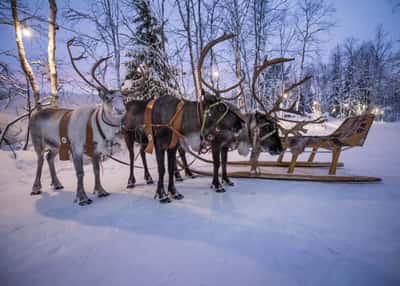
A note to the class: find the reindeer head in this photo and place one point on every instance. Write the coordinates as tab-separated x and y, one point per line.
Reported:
265	129
266	134
221	118
112	100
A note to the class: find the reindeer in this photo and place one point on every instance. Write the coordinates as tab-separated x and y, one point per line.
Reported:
210	120
138	136
297	129
105	121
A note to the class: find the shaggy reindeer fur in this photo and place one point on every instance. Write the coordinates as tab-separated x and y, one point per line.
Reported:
44	128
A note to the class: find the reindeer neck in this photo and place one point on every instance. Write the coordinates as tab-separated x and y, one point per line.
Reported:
191	123
106	123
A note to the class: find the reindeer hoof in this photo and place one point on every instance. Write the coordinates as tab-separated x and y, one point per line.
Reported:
58	187
177	196
149	181
36	192
178	178
218	188
103	194
130	185
165	200
85	202
227	182
162	196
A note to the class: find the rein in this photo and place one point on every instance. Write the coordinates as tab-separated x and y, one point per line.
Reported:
105	120
256	134
206	114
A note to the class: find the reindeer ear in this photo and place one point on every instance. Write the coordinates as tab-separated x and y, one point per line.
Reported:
259	115
208	97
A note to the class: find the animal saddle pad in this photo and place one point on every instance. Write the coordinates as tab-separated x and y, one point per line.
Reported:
64	139
174	124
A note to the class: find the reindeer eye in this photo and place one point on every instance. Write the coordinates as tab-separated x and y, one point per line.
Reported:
221	108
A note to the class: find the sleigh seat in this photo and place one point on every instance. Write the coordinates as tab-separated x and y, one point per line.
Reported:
351	133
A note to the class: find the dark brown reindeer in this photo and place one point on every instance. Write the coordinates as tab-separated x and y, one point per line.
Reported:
210	120
296	130
88	130
138	135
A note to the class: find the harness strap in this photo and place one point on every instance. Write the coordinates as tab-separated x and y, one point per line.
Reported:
175	125
63	131
65	145
98	125
148	128
89	143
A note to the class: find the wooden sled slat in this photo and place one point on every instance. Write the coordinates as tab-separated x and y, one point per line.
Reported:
298	177
286	164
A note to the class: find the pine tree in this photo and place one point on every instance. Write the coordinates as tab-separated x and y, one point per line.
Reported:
148	49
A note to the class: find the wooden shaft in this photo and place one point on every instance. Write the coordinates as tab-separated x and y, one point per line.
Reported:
335	159
292	163
312	155
280	157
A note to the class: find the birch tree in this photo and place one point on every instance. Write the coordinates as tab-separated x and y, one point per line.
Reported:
52	53
26	67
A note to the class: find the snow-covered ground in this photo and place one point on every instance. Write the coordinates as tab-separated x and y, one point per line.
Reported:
259	232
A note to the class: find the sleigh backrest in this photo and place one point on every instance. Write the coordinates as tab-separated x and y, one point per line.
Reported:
354	130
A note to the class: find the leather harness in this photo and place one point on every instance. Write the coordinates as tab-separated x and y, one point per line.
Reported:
89	143
174	124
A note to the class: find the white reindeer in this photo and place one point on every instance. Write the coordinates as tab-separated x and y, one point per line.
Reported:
105	121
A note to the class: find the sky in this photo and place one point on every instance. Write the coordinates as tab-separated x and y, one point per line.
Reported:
355	18
359	19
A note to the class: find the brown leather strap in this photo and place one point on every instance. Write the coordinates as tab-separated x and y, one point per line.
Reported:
63	131
148	127
89	144
175	125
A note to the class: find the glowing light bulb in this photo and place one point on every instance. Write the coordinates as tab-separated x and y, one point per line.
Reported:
215	74
26	32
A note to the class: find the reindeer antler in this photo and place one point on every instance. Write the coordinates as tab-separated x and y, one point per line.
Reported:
291	109
200	63
80	57
93	71
95	66
298	128
256	73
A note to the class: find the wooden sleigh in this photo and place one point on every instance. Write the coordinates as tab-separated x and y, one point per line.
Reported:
351	133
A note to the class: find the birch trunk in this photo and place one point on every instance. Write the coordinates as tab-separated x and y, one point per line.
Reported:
52	53
26	67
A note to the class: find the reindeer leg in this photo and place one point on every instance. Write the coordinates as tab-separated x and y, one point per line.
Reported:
171	172
224	160
37	185
81	197
55	182
216	185
147	176
160	193
182	154
130	144
177	174
98	188
255	154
